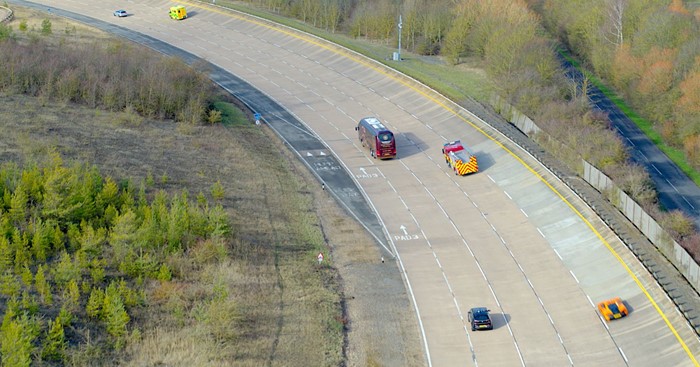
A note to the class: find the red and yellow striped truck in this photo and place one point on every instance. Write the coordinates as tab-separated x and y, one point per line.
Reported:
459	158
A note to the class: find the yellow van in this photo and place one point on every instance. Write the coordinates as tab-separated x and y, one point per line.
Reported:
178	12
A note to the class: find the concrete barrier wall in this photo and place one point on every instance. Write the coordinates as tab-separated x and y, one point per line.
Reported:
676	254
522	122
6	14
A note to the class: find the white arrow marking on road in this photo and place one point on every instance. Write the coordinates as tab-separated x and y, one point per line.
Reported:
363	170
321	153
308	154
403	228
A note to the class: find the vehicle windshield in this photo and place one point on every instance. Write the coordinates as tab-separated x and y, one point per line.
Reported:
385	137
461	155
613	308
481	317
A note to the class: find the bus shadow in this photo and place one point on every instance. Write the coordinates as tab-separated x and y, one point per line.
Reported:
408	144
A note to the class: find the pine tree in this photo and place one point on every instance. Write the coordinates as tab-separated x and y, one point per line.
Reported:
71	295
115	316
20	247
43	286
65	270
6	255
95	302
9	285
27	277
55	344
97	270
18	207
17	336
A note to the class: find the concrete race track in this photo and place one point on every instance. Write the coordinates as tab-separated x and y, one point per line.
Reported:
510	238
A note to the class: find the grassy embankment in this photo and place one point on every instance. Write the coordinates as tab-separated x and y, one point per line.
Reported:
185	290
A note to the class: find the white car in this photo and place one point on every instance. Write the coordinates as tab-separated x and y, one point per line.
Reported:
120	13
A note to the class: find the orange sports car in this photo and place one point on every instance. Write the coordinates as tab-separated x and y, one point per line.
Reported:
612	309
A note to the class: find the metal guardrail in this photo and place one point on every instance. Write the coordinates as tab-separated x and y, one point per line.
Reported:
681	267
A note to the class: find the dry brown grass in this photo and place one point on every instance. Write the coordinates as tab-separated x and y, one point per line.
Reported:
266	302
259	298
63	30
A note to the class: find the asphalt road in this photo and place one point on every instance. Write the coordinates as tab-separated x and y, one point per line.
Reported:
675	190
511	238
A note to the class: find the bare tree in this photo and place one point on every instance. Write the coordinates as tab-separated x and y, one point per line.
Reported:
612	30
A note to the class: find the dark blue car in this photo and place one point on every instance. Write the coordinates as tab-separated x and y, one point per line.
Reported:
479	319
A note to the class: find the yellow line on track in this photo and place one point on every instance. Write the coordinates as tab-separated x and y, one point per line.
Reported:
354	57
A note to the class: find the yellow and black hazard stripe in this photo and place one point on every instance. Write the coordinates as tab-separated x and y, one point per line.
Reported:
463	168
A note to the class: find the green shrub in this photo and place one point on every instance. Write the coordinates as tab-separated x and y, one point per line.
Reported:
214	117
5	32
217	191
164	273
46	27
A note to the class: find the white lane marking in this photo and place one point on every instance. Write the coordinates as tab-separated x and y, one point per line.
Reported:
688	202
674	187
557	252
574	275
623	354
432	196
468	248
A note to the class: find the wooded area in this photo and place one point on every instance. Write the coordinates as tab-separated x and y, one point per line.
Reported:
76	250
648	50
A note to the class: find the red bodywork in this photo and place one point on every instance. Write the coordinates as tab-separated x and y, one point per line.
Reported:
459	158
